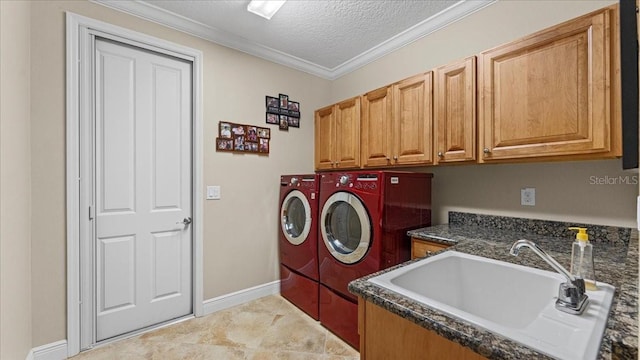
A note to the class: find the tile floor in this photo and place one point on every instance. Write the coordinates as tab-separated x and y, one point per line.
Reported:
266	328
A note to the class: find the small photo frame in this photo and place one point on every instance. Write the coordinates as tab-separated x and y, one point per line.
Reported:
225	130
252	133
263	146
284	101
224	144
264	133
273	104
238	143
284	122
272	118
294	109
251	147
293	122
237	129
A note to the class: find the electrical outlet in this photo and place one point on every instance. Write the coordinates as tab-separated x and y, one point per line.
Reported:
528	196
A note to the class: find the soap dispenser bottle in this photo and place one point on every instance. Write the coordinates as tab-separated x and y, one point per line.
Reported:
582	259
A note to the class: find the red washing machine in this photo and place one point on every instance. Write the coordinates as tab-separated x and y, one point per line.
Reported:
363	224
298	241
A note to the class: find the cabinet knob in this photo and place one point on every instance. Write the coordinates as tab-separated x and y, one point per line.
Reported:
395	157
486	151
440	154
429	253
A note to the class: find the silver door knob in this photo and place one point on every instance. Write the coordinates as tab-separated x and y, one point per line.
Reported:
186	221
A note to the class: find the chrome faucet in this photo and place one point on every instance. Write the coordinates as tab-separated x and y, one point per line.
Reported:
571	296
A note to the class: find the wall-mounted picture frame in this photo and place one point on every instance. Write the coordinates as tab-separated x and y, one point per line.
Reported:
294	109
284	122
263	146
238	143
264	133
251	146
293	121
272	119
225	130
252	133
284	101
273	104
224	144
238	129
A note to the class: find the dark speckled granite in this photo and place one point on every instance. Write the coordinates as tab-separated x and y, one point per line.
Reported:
616	262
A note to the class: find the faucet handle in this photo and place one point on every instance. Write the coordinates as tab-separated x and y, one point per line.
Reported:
571	297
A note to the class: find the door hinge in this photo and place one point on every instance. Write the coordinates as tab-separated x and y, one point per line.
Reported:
90	212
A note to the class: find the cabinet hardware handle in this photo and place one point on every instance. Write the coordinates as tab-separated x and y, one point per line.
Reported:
440	154
486	151
395	157
429	253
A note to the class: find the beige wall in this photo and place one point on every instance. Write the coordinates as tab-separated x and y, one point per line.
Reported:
240	230
240	243
564	190
15	178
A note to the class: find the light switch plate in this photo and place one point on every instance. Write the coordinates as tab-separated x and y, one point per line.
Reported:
213	192
638	212
528	196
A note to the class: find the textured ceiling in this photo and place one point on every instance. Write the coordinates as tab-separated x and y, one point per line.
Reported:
328	38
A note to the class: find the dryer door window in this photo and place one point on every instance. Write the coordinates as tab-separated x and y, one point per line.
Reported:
346	228
295	217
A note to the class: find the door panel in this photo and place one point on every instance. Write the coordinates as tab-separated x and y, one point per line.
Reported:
116	272
143	186
116	107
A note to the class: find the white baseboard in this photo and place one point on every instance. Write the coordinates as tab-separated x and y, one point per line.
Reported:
58	350
241	297
53	351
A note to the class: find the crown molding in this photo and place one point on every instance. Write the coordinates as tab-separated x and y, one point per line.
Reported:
150	12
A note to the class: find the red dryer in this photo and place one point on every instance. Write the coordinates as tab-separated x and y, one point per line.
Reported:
298	241
365	216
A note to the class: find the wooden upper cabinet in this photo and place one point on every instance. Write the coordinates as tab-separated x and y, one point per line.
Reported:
455	115
397	123
347	134
377	127
553	93
413	120
324	137
337	136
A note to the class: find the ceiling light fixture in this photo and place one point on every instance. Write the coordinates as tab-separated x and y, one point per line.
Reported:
265	8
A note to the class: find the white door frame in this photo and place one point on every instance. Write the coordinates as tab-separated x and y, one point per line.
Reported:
80	31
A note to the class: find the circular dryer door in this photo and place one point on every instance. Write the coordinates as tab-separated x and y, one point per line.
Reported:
346	228
295	217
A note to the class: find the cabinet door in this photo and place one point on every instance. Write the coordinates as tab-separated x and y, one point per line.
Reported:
324	138
412	120
549	94
347	134
455	119
377	127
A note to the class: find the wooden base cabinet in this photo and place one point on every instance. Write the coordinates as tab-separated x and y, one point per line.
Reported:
337	136
421	248
385	335
554	93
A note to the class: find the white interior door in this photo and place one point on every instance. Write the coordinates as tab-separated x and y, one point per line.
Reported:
142	188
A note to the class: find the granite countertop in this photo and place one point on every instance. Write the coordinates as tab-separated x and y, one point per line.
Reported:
616	263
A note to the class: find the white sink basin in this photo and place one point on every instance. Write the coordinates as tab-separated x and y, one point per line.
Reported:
515	301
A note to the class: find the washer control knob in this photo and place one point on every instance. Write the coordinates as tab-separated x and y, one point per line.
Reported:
294	181
344	179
